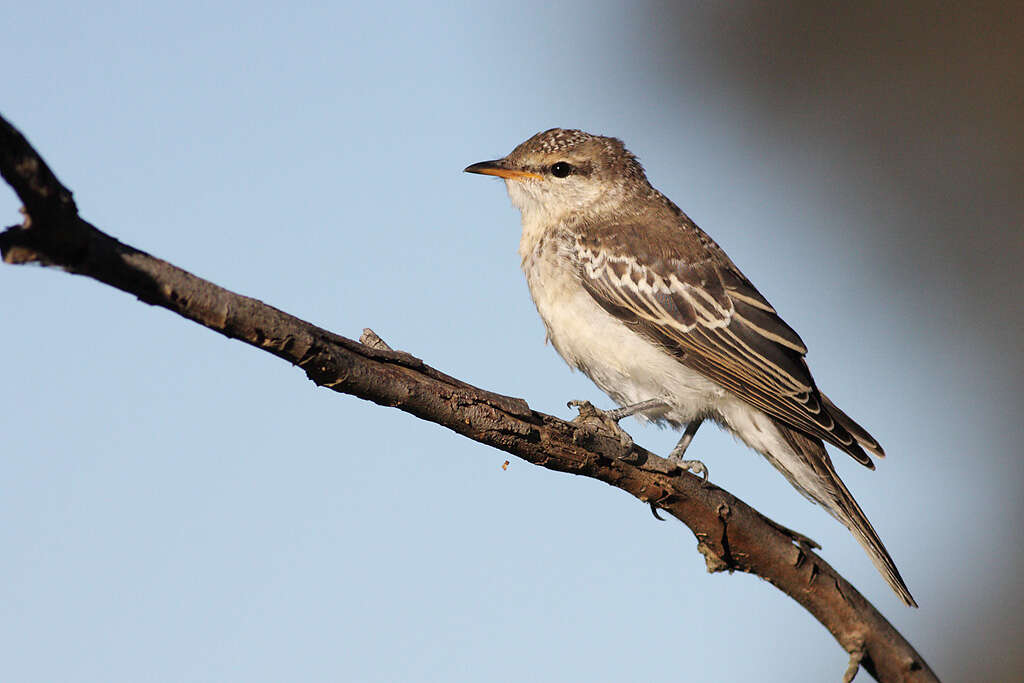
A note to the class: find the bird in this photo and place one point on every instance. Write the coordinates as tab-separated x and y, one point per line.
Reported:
649	307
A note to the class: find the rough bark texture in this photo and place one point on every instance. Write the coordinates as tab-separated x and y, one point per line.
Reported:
731	535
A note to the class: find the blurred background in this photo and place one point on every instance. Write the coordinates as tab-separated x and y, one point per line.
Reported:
179	507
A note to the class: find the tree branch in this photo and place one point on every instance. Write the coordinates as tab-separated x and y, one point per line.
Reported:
731	535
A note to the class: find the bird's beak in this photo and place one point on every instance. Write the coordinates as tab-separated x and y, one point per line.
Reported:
501	169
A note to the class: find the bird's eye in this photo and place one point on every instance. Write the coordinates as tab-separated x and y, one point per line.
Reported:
561	169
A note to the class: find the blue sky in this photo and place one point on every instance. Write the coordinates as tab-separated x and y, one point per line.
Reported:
180	507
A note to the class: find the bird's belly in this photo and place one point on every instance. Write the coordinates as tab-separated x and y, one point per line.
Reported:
625	365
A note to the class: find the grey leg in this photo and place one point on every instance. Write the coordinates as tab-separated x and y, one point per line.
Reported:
611	418
695	466
634	408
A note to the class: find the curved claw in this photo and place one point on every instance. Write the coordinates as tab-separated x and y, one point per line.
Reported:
608	418
694	466
654	511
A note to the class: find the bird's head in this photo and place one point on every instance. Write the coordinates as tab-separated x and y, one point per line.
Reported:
561	171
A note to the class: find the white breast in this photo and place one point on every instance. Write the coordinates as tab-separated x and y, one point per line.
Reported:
631	369
626	366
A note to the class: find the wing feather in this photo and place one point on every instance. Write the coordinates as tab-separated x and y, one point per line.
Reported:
714	320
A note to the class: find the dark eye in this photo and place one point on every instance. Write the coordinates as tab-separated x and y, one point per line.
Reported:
561	169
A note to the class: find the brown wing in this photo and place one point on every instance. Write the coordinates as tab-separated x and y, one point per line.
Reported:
710	316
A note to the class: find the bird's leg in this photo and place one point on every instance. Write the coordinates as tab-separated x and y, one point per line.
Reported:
676	456
684	441
633	409
611	418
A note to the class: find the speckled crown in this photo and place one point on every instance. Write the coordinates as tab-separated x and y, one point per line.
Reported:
611	151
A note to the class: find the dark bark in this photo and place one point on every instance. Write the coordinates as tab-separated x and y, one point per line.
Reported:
731	535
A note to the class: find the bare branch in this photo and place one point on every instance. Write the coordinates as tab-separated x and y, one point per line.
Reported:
731	535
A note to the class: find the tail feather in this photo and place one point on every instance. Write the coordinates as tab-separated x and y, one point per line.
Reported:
858	432
829	491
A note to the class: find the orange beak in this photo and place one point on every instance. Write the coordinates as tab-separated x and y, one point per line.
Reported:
500	169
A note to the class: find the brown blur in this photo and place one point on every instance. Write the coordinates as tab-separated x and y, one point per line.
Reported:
924	103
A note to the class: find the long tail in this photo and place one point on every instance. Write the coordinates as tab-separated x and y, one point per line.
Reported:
858	432
813	474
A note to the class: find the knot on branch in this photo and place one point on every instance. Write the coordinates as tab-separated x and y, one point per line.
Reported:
857	651
712	560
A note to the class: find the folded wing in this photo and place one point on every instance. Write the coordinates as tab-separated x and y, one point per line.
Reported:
714	320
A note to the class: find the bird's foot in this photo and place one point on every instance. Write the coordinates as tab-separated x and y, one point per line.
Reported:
676	456
695	466
609	418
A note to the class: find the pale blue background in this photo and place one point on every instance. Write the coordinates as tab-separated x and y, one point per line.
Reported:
178	507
